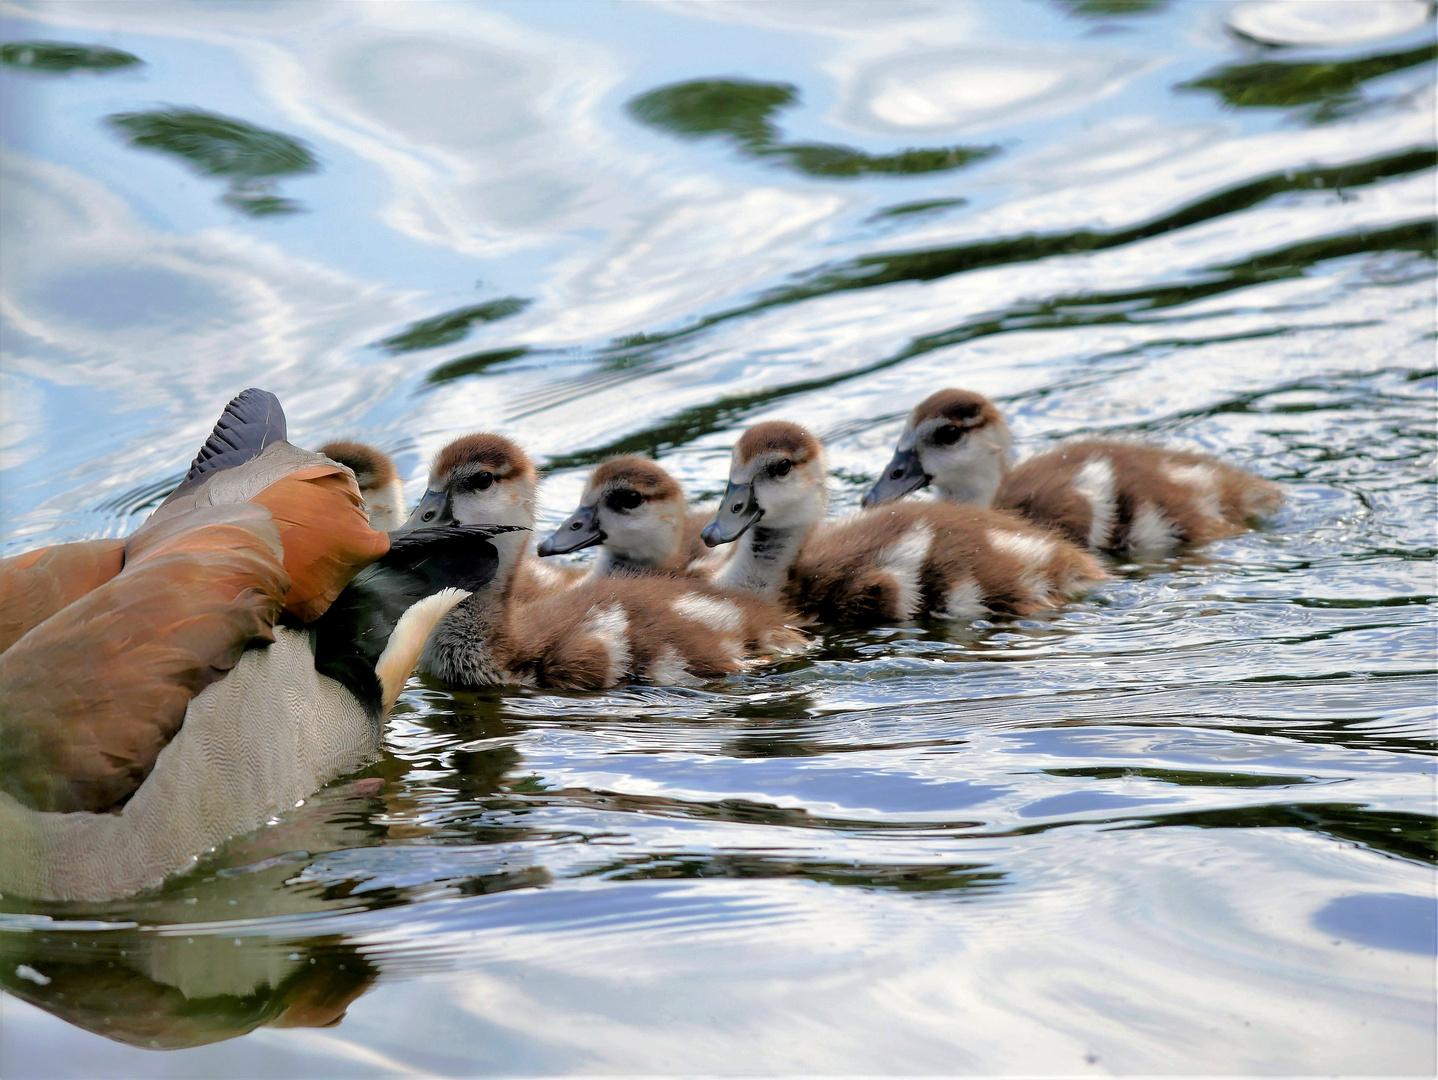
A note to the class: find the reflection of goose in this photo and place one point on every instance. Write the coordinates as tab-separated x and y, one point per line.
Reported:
635	511
599	633
903	562
159	679
1108	496
163	992
379	483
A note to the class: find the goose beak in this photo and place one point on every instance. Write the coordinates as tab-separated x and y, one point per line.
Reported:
736	513
433	510
580	530
902	475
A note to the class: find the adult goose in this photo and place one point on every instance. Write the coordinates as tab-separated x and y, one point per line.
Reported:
161	694
1105	495
909	561
597	634
635	511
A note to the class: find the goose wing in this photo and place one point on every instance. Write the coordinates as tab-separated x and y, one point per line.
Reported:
315	502
325	532
96	691
37	584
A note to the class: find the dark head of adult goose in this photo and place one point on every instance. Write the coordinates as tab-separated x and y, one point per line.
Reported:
378	480
157	699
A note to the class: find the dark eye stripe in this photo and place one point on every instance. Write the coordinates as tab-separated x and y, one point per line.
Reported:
625	499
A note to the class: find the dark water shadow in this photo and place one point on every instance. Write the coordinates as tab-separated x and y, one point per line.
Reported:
249	157
742	112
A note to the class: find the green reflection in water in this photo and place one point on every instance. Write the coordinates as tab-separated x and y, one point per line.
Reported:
874	270
475	364
1277	84
1085	309
1101	9
1406	836
452	326
928	206
249	157
742	111
1182	777
1082	310
62	56
899	877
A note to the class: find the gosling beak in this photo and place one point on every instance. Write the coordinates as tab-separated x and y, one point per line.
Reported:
433	510
580	530
902	475
738	511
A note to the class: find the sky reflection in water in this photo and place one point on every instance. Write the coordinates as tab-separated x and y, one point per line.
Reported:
1185	825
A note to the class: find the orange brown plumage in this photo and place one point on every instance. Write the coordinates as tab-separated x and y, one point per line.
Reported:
37	584
97	692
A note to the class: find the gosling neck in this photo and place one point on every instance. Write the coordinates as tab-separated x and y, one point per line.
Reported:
460	650
608	563
762	559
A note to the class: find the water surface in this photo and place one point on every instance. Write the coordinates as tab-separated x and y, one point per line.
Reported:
1184	825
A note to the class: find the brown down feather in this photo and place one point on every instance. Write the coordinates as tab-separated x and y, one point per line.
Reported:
97	692
838	577
1041	489
549	643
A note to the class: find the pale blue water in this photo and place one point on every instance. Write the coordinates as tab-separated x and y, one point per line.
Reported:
1186	825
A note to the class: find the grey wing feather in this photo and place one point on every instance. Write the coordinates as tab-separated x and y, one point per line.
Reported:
251	421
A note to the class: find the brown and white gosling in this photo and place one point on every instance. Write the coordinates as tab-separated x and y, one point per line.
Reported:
378	480
598	634
528	578
1105	495
635	511
908	561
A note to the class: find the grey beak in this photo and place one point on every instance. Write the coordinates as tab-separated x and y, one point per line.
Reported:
736	513
580	530
902	475
433	510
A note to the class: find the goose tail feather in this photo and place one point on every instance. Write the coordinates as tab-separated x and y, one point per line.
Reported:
402	651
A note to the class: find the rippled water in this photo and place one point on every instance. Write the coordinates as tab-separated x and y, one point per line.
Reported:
1185	825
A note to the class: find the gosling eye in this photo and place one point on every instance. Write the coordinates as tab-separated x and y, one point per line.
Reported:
428	515
948	435
481	481
782	468
627	499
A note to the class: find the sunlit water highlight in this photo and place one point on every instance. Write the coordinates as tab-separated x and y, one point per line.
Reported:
1185	825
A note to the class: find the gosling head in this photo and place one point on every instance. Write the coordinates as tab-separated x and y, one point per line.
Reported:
777	473
956	440
379	482
479	479
482	479
631	506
